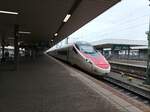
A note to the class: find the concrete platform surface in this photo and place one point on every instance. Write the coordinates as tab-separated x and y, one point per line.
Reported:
43	85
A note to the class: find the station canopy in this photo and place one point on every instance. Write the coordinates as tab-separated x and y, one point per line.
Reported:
110	43
40	20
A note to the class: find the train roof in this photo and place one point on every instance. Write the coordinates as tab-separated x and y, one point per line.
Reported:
67	45
56	48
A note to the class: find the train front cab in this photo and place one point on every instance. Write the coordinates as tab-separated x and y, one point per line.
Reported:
91	60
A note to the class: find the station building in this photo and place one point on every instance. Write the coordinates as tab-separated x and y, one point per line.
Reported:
122	48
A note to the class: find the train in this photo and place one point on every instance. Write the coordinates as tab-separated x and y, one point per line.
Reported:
83	55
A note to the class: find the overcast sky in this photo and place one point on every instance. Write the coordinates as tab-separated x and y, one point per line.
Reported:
129	19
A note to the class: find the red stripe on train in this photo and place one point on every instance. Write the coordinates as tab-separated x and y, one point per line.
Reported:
98	60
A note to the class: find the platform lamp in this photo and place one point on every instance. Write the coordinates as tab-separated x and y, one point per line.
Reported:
148	58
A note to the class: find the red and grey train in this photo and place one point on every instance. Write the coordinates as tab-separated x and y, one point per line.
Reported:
85	56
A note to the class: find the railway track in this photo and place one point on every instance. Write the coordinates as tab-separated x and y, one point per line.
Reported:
129	93
143	93
129	70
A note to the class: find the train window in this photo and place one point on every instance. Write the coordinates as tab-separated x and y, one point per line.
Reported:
88	49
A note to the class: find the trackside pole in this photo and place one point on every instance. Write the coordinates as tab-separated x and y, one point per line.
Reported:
148	59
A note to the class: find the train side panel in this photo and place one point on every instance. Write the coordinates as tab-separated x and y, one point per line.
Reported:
62	54
76	58
59	53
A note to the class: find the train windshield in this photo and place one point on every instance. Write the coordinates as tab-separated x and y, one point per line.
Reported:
87	48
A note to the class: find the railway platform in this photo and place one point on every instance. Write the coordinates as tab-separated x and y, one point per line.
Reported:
45	85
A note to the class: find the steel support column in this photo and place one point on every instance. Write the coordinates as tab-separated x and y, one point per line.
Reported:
128	52
3	47
112	51
16	48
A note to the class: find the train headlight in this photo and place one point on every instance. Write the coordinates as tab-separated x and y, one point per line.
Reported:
88	61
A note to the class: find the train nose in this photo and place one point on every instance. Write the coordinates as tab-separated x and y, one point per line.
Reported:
101	62
103	66
100	70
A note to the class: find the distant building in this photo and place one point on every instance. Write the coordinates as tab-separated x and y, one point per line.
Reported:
122	48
